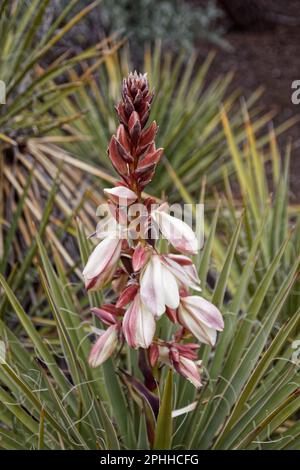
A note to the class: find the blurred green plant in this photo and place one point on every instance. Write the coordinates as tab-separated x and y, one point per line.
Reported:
174	22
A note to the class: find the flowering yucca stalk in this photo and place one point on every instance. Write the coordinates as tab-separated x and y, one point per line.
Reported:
147	283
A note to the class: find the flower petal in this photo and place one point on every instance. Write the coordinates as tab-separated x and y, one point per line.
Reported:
170	287
177	232
138	325
185	273
104	346
191	321
102	260
153	354
140	257
121	195
105	316
152	290
208	313
127	295
190	370
145	327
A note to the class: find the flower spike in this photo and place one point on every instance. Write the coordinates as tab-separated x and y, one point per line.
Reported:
145	282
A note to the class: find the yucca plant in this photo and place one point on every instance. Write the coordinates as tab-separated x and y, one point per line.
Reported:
250	393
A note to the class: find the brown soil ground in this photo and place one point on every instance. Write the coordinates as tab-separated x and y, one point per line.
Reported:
268	57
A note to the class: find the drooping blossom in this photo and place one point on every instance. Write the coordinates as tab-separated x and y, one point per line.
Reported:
138	324
201	318
106	227
161	280
104	346
177	232
102	263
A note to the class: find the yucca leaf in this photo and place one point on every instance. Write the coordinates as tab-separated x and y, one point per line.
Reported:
219	291
142	443
256	409
253	309
259	370
286	408
12	405
44	352
41	437
8	441
163	431
207	249
54	39
13	226
239	376
35	402
231	312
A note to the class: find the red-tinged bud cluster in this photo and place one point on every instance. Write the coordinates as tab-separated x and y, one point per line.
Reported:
132	150
136	99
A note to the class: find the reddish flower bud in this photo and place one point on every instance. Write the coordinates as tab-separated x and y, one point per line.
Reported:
145	116
127	295
121	113
104	315
138	99
188	350
145	179
134	127
153	354
123	152
144	172
140	257
122	137
148	135
180	358
172	314
114	155
128	106
150	159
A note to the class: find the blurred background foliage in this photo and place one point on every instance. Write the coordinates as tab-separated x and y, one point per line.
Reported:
180	24
220	149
